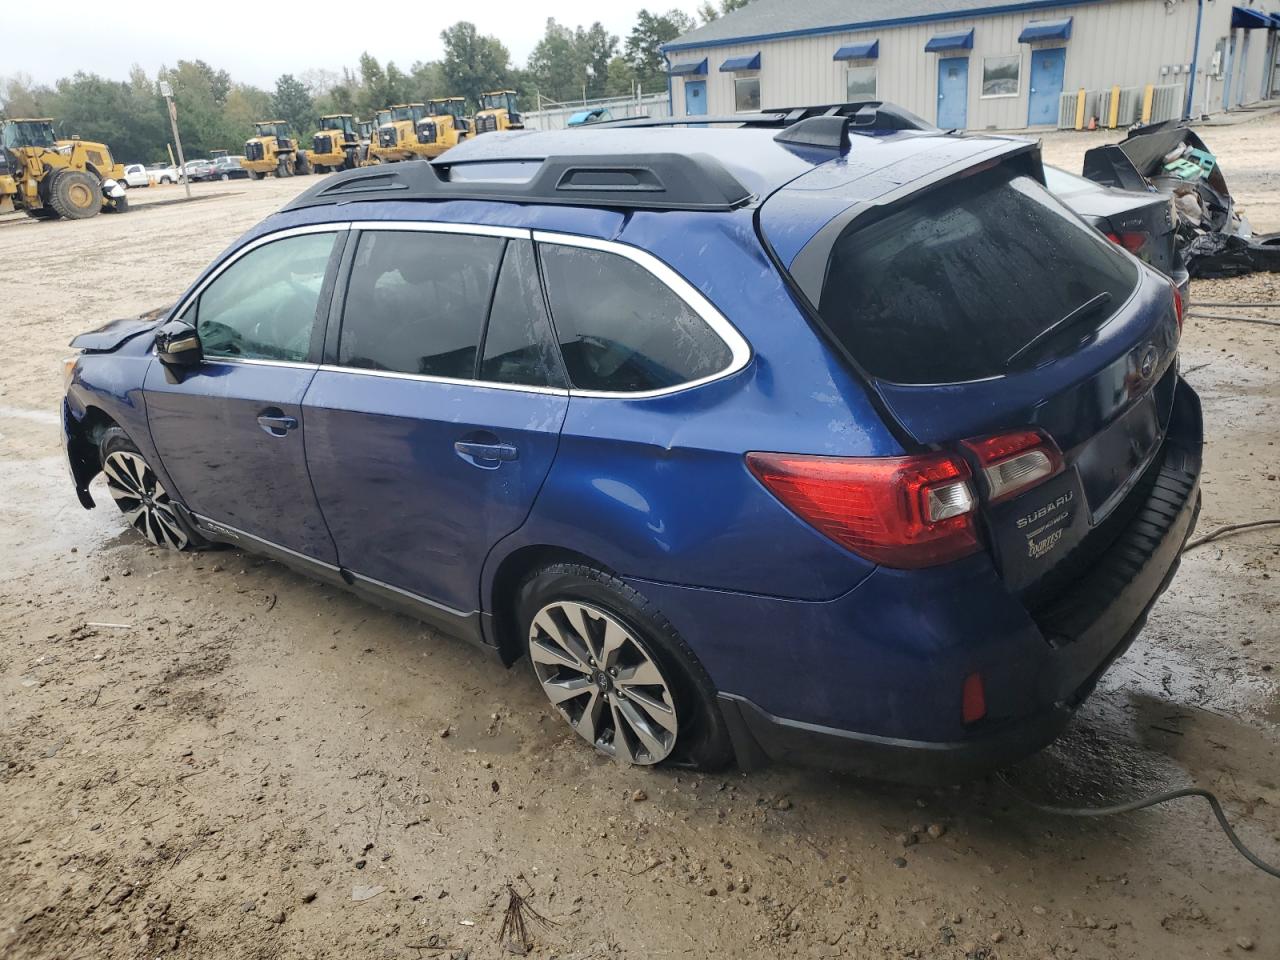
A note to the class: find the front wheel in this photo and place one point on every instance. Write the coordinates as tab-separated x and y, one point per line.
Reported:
617	671
138	493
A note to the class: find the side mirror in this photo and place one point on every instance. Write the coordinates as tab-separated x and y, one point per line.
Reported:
178	345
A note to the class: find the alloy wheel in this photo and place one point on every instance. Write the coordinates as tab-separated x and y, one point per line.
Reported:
145	503
604	682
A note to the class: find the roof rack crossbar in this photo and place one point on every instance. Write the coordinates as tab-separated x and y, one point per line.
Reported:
653	181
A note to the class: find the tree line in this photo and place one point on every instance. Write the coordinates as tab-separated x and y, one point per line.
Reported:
216	111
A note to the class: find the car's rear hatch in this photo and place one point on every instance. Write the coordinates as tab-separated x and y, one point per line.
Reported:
976	305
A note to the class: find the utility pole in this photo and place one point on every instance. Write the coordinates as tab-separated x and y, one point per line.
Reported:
166	91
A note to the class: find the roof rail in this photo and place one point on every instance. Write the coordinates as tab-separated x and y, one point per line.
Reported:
862	114
642	181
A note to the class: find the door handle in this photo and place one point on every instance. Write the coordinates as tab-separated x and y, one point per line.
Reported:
487	456
276	422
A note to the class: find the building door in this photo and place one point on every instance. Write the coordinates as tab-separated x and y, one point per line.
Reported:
1047	67
953	92
695	98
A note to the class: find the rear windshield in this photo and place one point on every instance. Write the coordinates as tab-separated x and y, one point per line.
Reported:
959	282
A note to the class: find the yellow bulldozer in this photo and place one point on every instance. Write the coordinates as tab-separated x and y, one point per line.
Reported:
273	149
48	178
498	111
397	138
336	145
445	125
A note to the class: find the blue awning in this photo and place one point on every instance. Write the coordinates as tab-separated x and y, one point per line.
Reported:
1275	21
950	41
859	51
741	63
696	68
1046	30
1242	18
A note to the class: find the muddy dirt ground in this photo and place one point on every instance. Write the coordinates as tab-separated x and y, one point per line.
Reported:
210	756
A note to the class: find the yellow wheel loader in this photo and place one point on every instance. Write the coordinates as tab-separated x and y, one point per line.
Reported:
445	125
48	178
272	149
498	111
336	145
397	138
365	129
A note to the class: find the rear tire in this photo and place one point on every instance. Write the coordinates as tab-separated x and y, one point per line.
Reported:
75	194
302	167
617	671
141	497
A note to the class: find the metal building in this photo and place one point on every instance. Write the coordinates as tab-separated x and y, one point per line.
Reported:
983	64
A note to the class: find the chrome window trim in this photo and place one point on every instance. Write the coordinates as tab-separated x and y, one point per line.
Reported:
433	226
739	348
448	381
254	361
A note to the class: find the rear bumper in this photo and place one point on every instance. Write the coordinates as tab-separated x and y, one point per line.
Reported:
871	682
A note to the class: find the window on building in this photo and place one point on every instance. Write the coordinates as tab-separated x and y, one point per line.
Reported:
621	329
1000	76
416	302
263	306
860	83
746	94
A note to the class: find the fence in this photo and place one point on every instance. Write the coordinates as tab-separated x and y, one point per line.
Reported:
1120	106
555	116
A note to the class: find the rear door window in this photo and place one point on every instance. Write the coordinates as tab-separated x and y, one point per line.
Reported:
416	302
518	346
621	329
960	281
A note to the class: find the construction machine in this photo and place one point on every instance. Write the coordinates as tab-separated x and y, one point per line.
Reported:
498	111
397	139
336	145
218	154
48	178
273	149
445	125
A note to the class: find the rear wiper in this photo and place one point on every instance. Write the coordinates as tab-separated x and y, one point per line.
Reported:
1086	309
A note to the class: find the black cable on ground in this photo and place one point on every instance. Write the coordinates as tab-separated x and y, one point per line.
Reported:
1272	305
1150	801
1228	529
1219	316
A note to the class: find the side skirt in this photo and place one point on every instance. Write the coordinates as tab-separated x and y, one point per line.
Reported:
457	623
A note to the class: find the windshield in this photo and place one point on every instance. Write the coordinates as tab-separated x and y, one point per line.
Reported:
494	101
446	108
278	130
382	117
406	113
28	133
954	283
336	123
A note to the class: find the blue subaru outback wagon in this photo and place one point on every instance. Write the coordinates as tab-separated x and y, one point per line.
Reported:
821	435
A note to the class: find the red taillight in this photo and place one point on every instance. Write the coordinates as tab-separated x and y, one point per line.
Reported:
1014	462
1178	305
973	701
902	512
1133	242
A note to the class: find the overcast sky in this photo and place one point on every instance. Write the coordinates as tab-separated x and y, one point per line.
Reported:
256	41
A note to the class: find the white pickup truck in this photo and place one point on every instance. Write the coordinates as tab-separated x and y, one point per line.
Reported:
162	173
